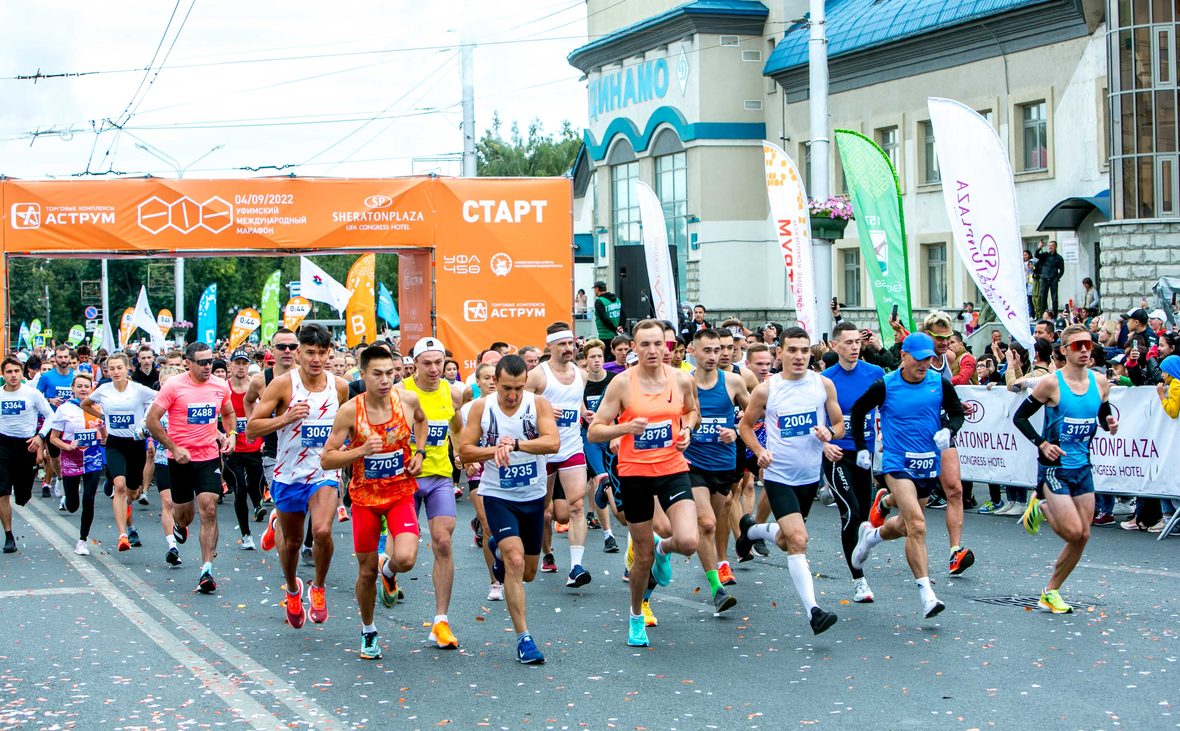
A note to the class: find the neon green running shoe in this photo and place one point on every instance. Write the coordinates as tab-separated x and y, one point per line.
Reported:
1051	602
1033	516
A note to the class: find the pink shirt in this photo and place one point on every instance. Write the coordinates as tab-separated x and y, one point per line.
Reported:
192	413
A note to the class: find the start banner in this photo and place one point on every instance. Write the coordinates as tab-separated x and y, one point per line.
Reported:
1130	462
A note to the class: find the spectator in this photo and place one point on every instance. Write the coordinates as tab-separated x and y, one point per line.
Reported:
1017	364
1091	302
698	323
986	372
1166	347
969	317
580	305
619	347
1169	392
608	312
1029	278
1052	267
1158	321
1044	330
963	364
1042	357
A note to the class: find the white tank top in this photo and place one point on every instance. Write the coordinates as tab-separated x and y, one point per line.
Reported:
569	400
793	409
524	479
300	444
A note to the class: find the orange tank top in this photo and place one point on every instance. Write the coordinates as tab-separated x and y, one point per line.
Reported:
381	478
653	453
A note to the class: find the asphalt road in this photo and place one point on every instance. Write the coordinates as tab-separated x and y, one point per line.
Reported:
120	641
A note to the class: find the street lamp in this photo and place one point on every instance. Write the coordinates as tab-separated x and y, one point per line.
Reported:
172	163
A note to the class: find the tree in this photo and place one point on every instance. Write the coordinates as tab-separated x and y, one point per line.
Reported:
540	155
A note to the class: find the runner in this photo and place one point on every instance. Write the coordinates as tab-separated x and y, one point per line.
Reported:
712	453
563	385
911	402
656	408
376	427
305	401
56	385
284	344
243	468
1064	475
122	404
803	415
20	406
760	359
192	402
511	431
77	435
597	455
851	485
485	384
435	489
158	469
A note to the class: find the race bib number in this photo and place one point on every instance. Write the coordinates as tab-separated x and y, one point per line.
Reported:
920	465
656	436
592	402
709	432
122	421
848	428
796	425
242	425
86	438
12	408
201	413
314	433
384	466
519	475
568	417
65	393
1077	431
436	434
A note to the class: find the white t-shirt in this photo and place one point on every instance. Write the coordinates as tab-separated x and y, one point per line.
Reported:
124	412
19	410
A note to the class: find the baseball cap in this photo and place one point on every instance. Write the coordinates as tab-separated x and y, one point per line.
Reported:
1121	357
428	345
254	368
600	284
239	354
23	357
632	358
919	345
490	357
407	360
1138	314
1157	314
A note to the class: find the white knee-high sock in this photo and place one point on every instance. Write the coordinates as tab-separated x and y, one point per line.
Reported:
801	575
765	531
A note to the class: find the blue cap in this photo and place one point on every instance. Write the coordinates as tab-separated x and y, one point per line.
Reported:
919	345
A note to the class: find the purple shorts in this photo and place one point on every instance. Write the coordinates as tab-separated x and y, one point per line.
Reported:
437	492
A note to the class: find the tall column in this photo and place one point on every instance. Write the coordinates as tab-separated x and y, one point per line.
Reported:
821	249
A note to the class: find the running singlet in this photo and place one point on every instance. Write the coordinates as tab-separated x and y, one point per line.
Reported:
300	443
524	478
910	417
54	385
78	427
706	451
569	400
124	411
19	410
592	396
192	413
1071	424
851	385
242	444
439	411
464	412
381	479
793	410
653	453
162	454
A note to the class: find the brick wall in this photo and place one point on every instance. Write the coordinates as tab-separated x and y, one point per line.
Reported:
1135	254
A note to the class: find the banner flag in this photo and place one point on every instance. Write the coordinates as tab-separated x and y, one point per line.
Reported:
981	205
23	338
246	322
880	225
655	249
385	307
315	284
35	327
77	334
360	318
413	268
108	336
207	316
143	318
792	222
293	314
164	321
126	326
270	306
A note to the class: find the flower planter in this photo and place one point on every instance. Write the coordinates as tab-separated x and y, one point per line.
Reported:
823	227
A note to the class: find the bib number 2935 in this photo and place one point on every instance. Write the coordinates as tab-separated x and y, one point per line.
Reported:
519	475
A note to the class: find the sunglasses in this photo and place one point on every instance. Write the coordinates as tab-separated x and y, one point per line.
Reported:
1080	345
671	345
286	346
940	338
202	362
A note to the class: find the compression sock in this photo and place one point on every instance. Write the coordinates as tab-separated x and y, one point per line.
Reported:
576	555
924	588
765	531
873	537
714	582
801	575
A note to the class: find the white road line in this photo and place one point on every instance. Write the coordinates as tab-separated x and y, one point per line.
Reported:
238	701
700	606
1129	569
282	689
47	592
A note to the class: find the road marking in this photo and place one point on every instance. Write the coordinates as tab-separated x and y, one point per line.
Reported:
1129	569
700	606
47	592
281	689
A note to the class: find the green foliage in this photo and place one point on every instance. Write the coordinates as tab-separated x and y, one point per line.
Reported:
539	155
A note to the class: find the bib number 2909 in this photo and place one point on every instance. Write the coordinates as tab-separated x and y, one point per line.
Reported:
920	464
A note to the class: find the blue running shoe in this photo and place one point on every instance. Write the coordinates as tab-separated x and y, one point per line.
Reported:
600	498
578	577
662	568
527	652
637	635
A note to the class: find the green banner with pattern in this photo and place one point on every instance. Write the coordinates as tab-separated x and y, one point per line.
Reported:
270	307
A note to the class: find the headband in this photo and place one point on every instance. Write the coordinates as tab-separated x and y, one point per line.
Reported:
559	335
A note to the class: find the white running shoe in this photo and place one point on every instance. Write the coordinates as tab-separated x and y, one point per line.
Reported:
932	606
61	504
81	549
863	594
1011	508
860	554
247	543
58	489
826	498
496	593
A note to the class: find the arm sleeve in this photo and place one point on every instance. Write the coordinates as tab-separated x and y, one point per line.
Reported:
1028	407
873	398
1103	412
953	407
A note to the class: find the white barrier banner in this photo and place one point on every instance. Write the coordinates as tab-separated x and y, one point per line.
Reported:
1131	462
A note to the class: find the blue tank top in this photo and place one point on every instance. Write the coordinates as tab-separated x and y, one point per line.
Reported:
851	385
706	451
1072	422
909	419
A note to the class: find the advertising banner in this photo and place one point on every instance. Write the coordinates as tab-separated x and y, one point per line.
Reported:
270	306
35	327
246	322
880	225
316	284
980	202
386	310
126	325
297	308
661	285
143	318
792	221
77	335
23	337
414	272
164	321
360	318
207	316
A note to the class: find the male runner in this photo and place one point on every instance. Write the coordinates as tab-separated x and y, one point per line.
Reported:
597	455
563	385
510	432
19	442
435	489
305	401
485	385
56	386
244	466
158	470
712	453
759	359
1076	402
376	426
851	485
912	400
656	408
192	403
285	345
802	414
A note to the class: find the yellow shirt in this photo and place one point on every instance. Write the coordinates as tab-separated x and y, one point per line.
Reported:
686	366
439	411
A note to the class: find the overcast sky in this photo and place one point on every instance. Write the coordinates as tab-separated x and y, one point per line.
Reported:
339	65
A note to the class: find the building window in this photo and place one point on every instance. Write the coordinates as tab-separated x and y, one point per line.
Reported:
888	139
852	277
936	275
672	190
1034	140
931	174
805	153
624	205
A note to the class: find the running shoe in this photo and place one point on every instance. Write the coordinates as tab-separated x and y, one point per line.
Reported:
61	504
387	589
600	496
318	611
143	500
133	537
725	575
477	528
307	556
81	549
825	496
1124	508
548	565
880	511
936	503
961	560
441	634
266	496
247	543
1015	507
1033	516
458	491
561	528
743	544
821	621
206	584
760	549
578	577
496	592
45	490
592	522
294	605
626	576
637	633
124	544
932	607
342	514
10	545
259	514
610	545
862	594
268	535
370	650
1051	602
527	652
990	508
1103	519
649	619
661	568
172	558
722	602
180	534
860	554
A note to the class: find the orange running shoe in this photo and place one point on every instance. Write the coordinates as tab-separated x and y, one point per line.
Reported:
880	511
342	514
294	605
441	633
725	575
268	535
319	604
124	543
562	528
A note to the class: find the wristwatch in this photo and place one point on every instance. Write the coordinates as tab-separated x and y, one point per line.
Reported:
515	445
421	451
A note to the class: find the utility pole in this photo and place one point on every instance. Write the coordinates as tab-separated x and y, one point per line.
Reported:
106	309
178	275
47	325
467	75
821	249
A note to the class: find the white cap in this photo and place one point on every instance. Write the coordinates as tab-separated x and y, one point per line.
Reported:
427	345
23	357
632	358
254	368
1157	315
407	360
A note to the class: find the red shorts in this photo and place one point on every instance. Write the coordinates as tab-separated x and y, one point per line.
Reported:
574	462
400	517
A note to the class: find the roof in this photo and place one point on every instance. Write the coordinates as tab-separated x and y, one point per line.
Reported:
1069	213
854	25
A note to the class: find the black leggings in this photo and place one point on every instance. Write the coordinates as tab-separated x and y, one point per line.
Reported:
89	483
852	487
244	476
